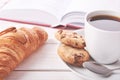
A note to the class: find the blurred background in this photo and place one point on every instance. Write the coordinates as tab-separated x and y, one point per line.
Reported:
61	6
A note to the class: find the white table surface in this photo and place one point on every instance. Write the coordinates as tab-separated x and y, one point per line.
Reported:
44	64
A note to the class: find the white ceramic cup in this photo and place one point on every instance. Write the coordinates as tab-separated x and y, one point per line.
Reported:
102	44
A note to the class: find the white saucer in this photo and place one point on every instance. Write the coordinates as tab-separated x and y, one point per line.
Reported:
88	75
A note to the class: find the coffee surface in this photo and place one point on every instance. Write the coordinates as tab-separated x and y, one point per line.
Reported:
105	22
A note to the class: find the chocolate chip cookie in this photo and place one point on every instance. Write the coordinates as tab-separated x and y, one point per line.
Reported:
70	38
73	56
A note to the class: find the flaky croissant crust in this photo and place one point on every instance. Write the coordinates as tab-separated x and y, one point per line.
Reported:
17	44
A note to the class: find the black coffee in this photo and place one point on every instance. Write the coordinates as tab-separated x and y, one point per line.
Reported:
105	22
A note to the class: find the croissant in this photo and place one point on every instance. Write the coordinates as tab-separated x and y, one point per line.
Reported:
16	45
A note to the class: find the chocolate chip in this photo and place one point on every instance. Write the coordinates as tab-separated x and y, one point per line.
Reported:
63	36
84	43
76	44
75	37
77	57
80	36
74	33
60	31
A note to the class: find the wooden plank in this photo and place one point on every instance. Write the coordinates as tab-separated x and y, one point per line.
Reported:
42	75
45	58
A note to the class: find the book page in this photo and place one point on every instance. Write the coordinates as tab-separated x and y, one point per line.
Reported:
55	7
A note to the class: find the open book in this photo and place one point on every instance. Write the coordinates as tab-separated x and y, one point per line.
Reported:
73	20
52	12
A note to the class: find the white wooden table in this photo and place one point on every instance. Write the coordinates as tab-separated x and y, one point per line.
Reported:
44	64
